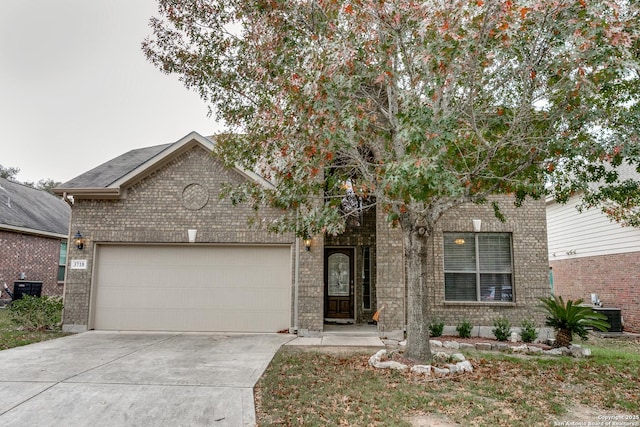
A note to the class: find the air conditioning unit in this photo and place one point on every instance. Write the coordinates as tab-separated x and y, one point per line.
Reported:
614	317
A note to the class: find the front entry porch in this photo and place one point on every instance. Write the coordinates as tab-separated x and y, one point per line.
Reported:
346	335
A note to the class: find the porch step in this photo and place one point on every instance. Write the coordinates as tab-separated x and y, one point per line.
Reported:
353	330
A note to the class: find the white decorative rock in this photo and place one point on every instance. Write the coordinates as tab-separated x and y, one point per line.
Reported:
457	357
484	346
421	369
392	364
501	346
451	344
520	348
376	358
577	351
441	356
376	362
453	369
440	372
465	366
435	343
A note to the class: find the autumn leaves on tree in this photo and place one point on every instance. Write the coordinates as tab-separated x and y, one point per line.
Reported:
415	107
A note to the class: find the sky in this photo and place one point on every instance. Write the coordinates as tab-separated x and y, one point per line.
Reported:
77	91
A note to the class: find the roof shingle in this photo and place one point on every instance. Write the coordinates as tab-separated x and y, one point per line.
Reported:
109	172
37	210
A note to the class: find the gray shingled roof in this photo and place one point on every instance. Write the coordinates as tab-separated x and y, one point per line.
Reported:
107	173
34	210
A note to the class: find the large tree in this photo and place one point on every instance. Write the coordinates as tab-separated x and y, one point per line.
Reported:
416	107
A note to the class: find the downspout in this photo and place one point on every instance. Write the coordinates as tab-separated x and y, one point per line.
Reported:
66	198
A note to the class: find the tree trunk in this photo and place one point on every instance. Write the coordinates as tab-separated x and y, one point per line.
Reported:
416	253
563	338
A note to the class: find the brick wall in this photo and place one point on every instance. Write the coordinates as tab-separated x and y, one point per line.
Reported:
390	277
615	278
160	209
36	256
527	226
311	289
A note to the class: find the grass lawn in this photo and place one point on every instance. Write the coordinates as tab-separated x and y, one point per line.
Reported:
11	337
322	387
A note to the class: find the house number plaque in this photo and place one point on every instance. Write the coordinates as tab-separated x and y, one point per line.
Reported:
78	264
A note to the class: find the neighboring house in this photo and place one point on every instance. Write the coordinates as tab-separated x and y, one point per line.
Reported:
590	254
164	252
34	226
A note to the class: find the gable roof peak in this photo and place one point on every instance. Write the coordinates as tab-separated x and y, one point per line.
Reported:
107	179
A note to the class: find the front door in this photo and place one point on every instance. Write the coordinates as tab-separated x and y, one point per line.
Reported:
338	283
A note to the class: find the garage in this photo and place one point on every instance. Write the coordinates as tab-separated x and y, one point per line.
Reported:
222	288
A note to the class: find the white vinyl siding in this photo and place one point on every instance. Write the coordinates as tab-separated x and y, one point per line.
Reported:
573	234
192	288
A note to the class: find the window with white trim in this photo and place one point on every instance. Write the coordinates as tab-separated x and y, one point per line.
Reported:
478	267
62	260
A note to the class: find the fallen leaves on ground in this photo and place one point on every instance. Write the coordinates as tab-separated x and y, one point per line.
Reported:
315	388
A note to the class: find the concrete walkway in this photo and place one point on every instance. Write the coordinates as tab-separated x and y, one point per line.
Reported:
343	336
135	379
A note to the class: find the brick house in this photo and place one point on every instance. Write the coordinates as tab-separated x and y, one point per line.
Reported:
34	226
590	254
164	252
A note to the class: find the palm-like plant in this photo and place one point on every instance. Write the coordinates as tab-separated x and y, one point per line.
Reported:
571	318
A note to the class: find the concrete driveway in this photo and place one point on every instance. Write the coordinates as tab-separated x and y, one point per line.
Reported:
135	379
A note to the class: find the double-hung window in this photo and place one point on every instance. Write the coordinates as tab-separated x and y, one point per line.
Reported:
478	267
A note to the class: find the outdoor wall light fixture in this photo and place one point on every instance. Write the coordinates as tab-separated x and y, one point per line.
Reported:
459	241
78	240
307	243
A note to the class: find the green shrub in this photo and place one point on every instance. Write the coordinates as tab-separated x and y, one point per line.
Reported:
464	329
571	318
435	328
528	330
36	313
502	330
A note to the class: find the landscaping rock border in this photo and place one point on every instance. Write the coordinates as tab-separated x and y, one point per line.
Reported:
574	350
456	363
461	366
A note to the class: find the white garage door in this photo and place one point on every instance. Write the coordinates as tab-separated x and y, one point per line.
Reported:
192	288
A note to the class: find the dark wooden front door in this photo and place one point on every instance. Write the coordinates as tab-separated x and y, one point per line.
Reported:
338	283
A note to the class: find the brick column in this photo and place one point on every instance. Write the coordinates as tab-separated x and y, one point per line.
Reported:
390	278
311	288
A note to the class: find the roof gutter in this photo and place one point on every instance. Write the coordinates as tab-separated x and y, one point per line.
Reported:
110	191
32	231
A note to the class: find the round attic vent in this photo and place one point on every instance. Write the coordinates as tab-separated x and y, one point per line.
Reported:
195	196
